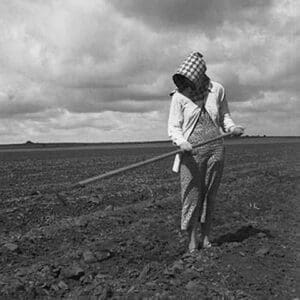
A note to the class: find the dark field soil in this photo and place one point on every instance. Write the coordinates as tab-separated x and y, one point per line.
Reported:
120	238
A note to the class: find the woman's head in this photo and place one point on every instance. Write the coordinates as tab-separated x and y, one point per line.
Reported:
191	74
183	83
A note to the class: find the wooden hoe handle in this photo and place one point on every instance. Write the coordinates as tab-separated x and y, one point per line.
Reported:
142	163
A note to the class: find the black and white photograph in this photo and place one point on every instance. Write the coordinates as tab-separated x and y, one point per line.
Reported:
149	149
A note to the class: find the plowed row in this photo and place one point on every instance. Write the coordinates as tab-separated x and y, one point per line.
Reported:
120	237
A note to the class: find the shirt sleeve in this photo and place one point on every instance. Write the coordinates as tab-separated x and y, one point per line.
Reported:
175	121
227	123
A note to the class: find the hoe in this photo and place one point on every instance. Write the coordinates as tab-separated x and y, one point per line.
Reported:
83	183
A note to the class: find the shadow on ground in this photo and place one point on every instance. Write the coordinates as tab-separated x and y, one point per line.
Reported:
240	235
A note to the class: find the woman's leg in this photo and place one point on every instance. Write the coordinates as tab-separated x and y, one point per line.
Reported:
192	231
213	179
192	191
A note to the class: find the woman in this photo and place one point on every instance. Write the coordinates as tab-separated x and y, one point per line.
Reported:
198	112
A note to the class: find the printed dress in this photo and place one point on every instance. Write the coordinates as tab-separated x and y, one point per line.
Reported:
200	172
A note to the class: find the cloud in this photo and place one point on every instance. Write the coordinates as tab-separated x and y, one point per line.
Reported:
62	126
271	113
201	15
90	57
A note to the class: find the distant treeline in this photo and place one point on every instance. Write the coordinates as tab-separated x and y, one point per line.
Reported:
30	144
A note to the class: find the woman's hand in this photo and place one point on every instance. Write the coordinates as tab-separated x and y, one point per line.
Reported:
186	146
237	131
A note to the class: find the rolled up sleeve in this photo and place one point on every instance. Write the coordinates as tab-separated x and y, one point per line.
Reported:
175	122
227	123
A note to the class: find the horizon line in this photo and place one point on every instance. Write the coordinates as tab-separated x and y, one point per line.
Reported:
134	142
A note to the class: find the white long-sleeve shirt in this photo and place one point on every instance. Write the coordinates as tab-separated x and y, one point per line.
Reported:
184	114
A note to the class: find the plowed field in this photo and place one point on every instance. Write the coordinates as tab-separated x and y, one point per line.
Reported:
120	238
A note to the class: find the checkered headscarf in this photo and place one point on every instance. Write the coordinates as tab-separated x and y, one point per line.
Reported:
193	68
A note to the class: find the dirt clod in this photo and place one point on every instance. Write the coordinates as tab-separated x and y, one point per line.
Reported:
262	251
109	208
191	285
89	257
103	254
261	235
11	247
73	272
62	285
144	272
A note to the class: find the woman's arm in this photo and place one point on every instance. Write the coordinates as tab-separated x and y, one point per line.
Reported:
175	122
226	121
225	117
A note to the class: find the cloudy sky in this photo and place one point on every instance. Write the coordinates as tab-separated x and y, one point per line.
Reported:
100	70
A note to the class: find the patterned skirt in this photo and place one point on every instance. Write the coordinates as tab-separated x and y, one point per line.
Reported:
200	173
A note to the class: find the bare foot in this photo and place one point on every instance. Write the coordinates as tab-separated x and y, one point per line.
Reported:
193	245
192	236
206	243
